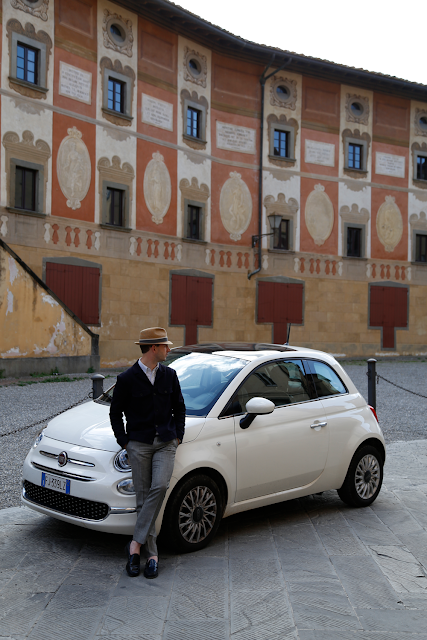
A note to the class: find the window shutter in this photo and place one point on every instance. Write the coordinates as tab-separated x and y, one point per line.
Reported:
77	287
204	303
265	310
376	307
389	310
191	304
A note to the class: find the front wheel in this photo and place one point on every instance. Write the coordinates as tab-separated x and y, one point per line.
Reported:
364	478
193	514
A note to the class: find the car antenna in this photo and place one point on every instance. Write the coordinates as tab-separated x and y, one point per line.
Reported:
289	333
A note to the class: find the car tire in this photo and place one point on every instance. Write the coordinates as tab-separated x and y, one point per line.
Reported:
364	478
193	514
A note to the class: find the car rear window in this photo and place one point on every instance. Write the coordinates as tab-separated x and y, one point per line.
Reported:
326	381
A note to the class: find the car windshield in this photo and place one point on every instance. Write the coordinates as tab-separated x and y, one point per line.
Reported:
203	378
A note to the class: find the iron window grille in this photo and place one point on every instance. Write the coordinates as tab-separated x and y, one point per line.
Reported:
421	248
193	222
25	188
281	236
115	206
354	242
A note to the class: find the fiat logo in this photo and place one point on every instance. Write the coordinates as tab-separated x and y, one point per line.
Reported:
62	459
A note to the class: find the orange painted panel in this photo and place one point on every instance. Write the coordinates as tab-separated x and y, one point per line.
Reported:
391	117
235	82
157	51
59	207
377	248
319	136
321	102
75	20
68	103
144	222
220	174
330	246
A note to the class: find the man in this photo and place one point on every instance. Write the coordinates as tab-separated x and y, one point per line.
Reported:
149	395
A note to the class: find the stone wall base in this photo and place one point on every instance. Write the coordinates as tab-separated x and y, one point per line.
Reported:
15	367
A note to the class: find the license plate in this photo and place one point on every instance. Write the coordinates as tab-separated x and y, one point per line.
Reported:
57	484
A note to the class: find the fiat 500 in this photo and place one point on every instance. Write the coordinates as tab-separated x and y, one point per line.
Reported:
262	427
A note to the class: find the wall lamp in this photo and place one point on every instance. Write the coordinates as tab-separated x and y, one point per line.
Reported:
274	220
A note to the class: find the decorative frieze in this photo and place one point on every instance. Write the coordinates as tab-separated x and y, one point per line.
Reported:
235	206
117	33
356	108
36	8
283	92
389	224
319	215
157	188
195	67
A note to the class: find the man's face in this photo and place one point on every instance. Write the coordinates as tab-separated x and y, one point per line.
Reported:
161	351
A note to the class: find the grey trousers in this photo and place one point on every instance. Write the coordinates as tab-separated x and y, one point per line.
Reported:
152	466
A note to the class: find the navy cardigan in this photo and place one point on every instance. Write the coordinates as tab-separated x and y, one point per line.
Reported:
148	408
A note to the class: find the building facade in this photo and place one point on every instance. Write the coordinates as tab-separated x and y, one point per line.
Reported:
142	149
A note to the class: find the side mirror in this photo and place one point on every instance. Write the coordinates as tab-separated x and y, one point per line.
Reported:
255	407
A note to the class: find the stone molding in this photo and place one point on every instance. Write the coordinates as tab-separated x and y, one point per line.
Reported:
286	209
354	214
117	118
276	100
74	169
420	113
418	222
192	190
349	115
38	9
24	88
109	42
189	75
29	151
115	171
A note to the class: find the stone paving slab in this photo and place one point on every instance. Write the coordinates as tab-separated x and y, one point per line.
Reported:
309	569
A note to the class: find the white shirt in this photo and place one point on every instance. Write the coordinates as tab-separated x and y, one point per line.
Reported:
150	373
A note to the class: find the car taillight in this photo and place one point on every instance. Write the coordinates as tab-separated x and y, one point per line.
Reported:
374	412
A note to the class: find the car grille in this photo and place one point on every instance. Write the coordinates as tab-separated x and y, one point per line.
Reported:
64	503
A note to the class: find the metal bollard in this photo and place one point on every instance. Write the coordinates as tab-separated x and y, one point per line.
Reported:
97	385
372	383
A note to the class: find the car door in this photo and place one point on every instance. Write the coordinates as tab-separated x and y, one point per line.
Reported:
343	410
287	448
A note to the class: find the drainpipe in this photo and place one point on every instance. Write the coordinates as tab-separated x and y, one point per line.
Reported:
263	80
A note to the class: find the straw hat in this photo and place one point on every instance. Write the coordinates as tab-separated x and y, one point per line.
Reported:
153	335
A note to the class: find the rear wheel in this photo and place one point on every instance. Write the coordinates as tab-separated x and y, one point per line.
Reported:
193	514
364	478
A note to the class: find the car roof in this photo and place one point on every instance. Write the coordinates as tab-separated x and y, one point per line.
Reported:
210	347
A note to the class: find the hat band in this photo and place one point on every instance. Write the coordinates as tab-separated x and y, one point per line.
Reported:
154	340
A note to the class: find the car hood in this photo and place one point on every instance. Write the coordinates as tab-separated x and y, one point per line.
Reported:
88	425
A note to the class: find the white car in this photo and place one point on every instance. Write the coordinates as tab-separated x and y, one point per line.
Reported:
262	426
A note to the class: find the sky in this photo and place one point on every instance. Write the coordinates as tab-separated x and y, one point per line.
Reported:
386	37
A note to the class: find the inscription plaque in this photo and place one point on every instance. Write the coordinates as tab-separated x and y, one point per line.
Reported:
320	153
387	164
233	138
75	83
157	112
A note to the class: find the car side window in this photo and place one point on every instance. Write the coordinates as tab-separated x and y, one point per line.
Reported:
283	382
326	381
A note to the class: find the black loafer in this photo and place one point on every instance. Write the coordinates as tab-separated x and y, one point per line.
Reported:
151	569
133	565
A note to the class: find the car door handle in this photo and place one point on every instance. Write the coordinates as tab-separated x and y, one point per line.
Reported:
318	424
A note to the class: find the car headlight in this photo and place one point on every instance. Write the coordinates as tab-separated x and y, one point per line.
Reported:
39	438
126	487
121	462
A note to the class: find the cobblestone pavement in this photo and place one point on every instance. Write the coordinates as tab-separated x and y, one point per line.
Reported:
309	569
